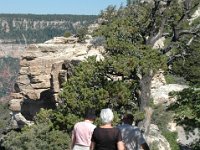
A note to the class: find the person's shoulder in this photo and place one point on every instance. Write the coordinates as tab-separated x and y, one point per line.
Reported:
80	123
93	126
116	129
136	128
97	129
137	131
130	128
124	126
76	125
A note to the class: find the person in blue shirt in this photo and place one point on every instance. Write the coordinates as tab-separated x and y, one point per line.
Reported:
131	135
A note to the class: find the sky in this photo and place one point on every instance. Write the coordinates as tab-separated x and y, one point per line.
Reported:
81	7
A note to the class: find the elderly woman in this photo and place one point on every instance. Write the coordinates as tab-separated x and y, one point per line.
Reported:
106	137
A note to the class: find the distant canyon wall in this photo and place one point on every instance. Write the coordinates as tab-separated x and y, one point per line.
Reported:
29	28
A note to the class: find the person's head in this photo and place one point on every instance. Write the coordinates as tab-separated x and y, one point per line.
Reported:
128	119
90	115
106	116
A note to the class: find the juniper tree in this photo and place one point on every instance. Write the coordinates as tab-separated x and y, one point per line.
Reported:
133	30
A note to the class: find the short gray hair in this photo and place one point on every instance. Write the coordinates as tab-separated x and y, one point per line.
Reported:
106	115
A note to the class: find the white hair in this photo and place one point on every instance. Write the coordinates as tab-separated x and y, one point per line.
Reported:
106	115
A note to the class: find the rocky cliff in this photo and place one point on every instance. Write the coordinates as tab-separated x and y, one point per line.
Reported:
44	67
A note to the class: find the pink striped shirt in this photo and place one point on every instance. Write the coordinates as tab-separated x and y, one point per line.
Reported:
83	133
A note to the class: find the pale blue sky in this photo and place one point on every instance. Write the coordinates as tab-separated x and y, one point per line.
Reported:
88	7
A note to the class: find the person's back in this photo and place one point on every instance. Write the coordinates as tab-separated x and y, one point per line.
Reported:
82	133
131	135
106	137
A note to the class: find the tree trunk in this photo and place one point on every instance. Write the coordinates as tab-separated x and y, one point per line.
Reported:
145	96
147	120
145	91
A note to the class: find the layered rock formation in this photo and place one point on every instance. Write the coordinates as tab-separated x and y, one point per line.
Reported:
44	67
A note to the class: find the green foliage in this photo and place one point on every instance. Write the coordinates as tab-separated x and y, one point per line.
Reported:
162	117
37	137
195	145
91	88
187	110
154	146
63	120
189	66
170	79
41	135
130	55
171	137
130	27
108	13
173	79
138	116
151	60
123	35
4	117
67	34
44	116
81	34
98	41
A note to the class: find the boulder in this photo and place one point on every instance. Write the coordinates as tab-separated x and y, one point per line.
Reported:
160	95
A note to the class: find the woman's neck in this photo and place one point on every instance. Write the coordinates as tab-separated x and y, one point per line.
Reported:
106	126
87	120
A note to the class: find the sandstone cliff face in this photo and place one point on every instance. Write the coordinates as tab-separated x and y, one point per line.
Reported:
44	67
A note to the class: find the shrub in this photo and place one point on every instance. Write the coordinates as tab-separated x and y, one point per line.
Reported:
171	138
37	137
5	116
98	41
172	79
67	34
81	34
41	135
162	117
